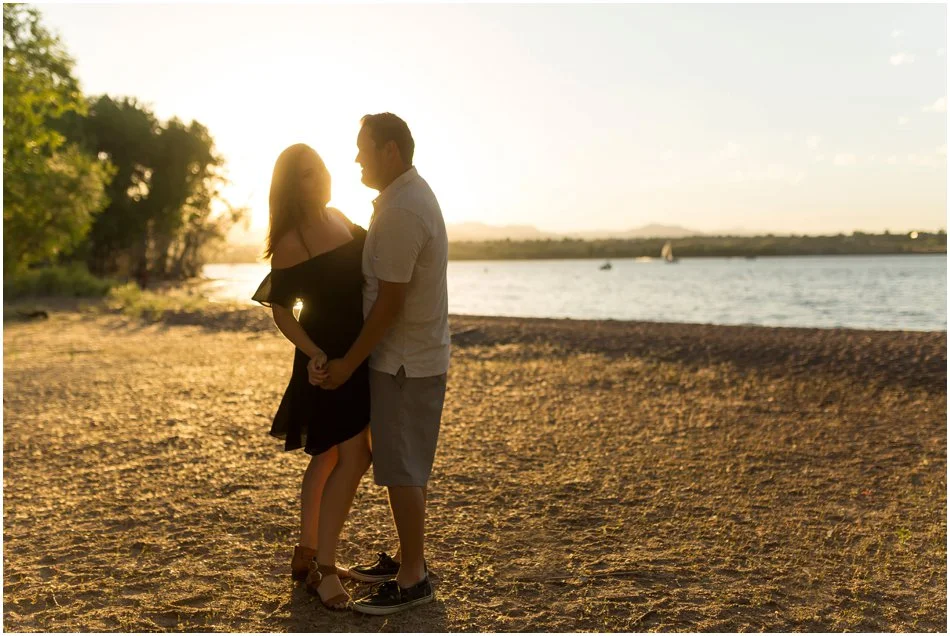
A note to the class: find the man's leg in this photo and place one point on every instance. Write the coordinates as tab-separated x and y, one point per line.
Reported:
409	512
422	403
425	500
405	424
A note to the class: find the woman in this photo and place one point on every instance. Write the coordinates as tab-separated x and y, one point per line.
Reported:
316	256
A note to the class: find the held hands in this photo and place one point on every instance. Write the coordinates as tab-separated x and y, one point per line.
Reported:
337	373
316	367
328	375
319	359
317	370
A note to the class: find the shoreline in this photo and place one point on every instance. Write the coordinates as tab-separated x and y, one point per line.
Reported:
908	358
641	258
237	315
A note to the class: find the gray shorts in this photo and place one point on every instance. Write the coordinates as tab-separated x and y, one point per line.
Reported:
405	414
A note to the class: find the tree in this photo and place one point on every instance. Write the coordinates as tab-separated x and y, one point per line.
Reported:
123	131
51	190
160	220
186	184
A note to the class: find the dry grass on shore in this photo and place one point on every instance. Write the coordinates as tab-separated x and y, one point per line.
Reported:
591	476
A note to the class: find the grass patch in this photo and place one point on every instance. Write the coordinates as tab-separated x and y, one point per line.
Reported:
148	305
64	281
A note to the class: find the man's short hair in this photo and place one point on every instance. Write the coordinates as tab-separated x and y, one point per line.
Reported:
386	127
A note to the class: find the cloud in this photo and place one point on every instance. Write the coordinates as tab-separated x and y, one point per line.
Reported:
921	160
771	172
845	159
813	141
903	121
925	161
902	58
939	106
731	151
896	33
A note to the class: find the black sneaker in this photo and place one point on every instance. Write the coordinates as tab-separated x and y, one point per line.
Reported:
389	598
385	569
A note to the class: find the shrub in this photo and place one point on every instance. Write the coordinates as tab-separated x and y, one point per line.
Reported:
70	281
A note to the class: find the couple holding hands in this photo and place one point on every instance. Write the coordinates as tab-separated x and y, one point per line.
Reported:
372	353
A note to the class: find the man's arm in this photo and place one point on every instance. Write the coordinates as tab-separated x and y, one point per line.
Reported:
388	304
401	236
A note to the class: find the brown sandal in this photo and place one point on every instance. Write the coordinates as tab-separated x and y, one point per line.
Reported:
315	577
300	564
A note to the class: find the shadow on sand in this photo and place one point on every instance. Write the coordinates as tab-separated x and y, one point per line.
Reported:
306	614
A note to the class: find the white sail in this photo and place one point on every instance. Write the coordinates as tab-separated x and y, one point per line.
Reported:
667	252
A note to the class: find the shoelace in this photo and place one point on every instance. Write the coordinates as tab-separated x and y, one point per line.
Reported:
386	586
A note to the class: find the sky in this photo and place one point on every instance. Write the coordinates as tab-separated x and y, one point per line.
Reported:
774	118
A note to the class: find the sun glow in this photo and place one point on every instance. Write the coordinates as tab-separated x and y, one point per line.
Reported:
330	127
331	134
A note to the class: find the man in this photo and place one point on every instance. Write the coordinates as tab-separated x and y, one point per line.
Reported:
406	335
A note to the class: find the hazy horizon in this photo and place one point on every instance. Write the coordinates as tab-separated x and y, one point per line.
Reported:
804	119
253	235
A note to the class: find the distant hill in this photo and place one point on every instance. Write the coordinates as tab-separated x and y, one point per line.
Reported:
647	231
484	232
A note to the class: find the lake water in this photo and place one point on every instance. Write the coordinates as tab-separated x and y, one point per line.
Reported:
862	292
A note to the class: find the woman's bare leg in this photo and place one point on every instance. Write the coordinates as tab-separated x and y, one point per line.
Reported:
353	459
311	493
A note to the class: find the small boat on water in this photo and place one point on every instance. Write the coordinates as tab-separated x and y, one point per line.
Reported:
606	267
667	252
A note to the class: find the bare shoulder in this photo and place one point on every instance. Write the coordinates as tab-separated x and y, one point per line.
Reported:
342	217
288	252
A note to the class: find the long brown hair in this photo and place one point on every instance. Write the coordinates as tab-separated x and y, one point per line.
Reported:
288	208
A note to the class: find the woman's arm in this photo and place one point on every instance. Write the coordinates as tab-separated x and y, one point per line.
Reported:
288	251
293	331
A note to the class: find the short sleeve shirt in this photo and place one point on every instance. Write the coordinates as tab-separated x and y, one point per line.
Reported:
407	243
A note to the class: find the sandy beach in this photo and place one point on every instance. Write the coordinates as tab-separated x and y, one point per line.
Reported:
591	476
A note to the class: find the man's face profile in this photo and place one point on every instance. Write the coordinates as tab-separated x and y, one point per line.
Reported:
369	158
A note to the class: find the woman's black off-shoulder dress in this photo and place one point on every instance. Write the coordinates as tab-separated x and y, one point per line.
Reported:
330	287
